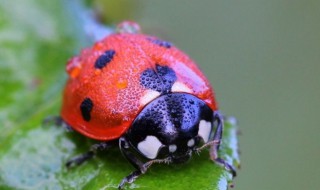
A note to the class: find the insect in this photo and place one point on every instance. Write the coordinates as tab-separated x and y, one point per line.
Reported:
146	94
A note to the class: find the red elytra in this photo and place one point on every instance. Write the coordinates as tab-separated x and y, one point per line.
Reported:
114	88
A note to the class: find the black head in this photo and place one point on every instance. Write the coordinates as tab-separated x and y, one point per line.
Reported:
173	125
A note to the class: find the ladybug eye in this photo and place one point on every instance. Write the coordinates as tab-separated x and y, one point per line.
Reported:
150	146
204	130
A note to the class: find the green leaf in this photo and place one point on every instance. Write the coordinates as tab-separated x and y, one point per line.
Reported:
36	39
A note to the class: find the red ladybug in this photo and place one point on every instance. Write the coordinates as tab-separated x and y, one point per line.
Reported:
146	94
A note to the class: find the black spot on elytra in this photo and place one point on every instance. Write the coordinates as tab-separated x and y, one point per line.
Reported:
86	107
104	59
161	79
160	42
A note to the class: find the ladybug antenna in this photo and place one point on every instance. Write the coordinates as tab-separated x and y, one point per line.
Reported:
128	27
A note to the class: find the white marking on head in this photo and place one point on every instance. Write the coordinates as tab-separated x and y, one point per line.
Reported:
180	87
148	96
172	148
190	143
150	147
204	130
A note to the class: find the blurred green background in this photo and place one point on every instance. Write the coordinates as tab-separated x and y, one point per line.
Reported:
262	57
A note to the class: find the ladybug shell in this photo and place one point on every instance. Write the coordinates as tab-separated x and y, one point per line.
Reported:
108	83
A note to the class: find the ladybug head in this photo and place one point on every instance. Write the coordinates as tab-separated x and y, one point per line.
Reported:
171	126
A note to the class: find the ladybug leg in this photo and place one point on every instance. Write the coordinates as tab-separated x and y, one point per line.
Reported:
139	165
124	148
57	120
130	178
88	155
135	174
215	145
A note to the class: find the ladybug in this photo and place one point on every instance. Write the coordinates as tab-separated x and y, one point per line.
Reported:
145	94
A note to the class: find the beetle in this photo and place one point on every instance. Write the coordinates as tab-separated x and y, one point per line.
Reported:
147	95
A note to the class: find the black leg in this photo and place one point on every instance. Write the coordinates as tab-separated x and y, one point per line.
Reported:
214	147
88	155
226	165
57	120
217	137
141	167
124	148
130	178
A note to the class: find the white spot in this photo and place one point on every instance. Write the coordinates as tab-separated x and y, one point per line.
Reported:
204	130
148	96
172	148
180	87
190	142
150	147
